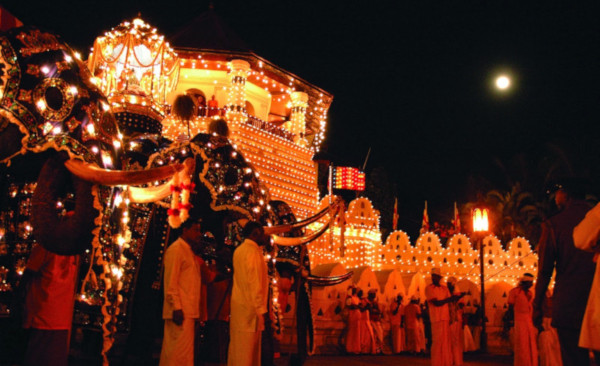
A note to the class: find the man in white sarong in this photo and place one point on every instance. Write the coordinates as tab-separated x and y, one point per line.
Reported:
375	315
182	286
520	299
353	331
586	236
412	313
457	335
248	298
396	313
438	297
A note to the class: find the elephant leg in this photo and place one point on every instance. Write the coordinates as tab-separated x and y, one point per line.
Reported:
304	324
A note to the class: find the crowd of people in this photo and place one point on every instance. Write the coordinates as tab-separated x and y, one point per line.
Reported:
438	326
561	329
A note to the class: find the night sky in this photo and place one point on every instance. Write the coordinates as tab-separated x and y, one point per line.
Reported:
413	81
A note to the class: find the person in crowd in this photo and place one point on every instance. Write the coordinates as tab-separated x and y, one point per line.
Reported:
520	301
548	345
182	288
396	316
469	342
49	281
587	237
353	331
412	314
574	272
424	326
201	103
457	335
438	298
213	107
218	127
375	315
248	298
476	324
367	338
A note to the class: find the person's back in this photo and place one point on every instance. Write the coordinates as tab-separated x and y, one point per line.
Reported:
248	298
574	267
411	311
574	275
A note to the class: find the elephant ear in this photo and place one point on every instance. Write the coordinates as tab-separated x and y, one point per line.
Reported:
48	93
231	180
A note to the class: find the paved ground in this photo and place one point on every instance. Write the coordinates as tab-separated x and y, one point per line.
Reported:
470	360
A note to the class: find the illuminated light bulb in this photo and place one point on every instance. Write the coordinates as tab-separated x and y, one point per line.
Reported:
106	159
41	104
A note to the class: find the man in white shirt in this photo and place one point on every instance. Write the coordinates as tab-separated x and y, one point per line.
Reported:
248	298
438	297
181	307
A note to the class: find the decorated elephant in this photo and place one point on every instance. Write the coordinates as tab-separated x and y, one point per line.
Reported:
60	152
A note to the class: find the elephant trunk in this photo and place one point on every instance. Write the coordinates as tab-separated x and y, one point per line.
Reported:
71	233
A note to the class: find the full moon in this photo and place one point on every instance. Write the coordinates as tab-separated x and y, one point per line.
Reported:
502	82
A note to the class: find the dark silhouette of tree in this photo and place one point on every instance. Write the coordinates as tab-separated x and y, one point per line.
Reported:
381	191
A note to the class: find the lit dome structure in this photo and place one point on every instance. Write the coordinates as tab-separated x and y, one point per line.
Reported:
135	67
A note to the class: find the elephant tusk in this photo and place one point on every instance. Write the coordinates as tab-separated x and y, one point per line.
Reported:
157	193
301	240
329	281
272	230
150	194
94	174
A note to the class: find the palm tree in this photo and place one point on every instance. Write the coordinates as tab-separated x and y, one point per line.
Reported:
515	213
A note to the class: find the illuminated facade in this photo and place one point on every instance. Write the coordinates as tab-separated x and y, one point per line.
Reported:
362	246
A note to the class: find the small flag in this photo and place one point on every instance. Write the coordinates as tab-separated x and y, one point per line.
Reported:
395	217
456	221
347	178
425	224
7	20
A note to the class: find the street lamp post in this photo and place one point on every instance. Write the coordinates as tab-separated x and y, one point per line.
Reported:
480	229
